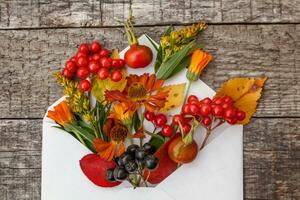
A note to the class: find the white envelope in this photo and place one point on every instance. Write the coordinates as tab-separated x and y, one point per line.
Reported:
216	173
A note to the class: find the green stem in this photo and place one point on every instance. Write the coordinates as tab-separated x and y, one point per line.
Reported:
187	91
154	135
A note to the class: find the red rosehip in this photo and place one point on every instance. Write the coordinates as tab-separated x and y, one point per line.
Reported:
67	73
82	72
193	109
240	115
103	73
186	128
84	85
104	62
95	47
96	57
79	54
217	100
104	53
84	48
226	105
167	131
229	113
150	116
160	120
205	109
206	100
74	59
217	111
116	76
192	98
185	109
94	66
206	121
82	61
177	119
71	66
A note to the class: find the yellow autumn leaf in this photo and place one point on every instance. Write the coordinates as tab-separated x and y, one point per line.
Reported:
175	98
100	86
245	92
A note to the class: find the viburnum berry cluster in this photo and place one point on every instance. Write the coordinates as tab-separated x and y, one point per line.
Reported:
93	59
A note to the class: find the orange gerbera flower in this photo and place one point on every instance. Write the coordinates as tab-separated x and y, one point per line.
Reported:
117	132
122	113
61	114
140	90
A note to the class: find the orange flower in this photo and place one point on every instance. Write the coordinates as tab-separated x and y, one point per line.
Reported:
122	113
199	61
117	132
61	114
140	90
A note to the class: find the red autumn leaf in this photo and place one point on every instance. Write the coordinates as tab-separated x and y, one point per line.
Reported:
166	165
95	168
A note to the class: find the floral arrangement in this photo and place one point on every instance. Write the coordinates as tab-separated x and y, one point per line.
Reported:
106	109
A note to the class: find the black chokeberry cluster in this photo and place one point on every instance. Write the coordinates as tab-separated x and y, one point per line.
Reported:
133	161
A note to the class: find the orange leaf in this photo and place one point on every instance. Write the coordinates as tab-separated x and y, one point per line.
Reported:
245	92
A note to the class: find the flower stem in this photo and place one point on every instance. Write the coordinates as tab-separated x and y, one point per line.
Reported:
187	91
154	135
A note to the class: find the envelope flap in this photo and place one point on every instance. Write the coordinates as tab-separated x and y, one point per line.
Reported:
216	174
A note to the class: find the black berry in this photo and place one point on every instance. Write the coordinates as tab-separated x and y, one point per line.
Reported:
132	148
131	167
150	162
149	148
120	173
140	153
125	158
110	175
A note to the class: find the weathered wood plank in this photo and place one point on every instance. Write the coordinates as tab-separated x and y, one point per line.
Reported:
56	13
28	59
271	159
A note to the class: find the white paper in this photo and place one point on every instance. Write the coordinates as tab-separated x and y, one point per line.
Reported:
217	172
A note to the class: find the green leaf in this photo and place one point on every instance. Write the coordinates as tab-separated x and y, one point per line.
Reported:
157	142
136	122
152	42
183	64
167	68
159	59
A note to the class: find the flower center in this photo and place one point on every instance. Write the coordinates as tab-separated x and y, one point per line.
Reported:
137	91
118	133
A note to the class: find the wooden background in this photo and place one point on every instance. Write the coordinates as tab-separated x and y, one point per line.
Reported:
246	37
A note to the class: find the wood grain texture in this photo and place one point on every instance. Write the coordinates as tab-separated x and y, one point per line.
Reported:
87	13
28	59
271	159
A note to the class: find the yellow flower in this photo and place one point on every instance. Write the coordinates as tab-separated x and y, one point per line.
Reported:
122	113
199	61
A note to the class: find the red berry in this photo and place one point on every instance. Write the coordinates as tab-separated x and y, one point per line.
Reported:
95	47
82	61
84	48
186	128
205	109
226	105
104	62
121	63
116	76
177	119
206	100
104	53
193	102
192	98
96	57
115	63
229	113
240	115
103	73
185	109
167	131
206	121
160	120
217	100
217	111
232	121
67	73
94	66
82	72
79	54
71	66
149	115
73	59
193	109
227	99
84	85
